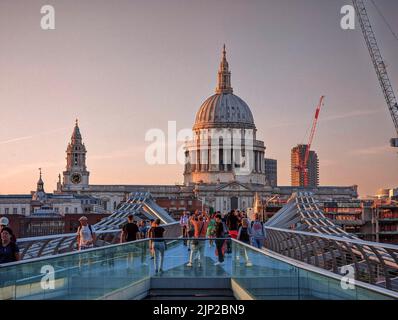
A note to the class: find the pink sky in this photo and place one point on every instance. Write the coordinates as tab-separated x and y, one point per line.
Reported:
126	67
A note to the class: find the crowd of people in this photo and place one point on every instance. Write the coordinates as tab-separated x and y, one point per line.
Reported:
198	229
221	228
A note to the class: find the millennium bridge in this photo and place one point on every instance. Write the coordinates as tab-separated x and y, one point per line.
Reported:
305	257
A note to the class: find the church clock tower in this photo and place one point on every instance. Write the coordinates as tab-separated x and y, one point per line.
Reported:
75	178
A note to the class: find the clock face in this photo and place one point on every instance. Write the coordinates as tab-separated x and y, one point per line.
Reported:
76	178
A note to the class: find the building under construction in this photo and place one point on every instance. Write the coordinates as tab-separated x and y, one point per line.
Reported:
312	167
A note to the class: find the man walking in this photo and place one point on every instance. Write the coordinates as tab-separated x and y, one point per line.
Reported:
220	233
184	226
130	230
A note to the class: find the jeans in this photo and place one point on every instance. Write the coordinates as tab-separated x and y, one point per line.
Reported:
219	245
243	252
258	243
159	254
197	251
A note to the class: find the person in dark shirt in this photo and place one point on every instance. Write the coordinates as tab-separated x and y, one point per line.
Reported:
220	233
244	236
130	230
9	251
158	245
232	221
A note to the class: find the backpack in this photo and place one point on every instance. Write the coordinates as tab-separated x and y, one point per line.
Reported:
262	227
244	235
89	226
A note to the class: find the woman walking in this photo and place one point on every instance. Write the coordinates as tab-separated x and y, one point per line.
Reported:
244	236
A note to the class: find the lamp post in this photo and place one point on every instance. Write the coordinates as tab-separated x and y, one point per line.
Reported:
203	202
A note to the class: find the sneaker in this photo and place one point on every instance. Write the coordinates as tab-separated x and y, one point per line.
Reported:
218	263
237	258
189	264
249	264
199	265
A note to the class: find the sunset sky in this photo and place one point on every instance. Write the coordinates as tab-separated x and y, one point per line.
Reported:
124	67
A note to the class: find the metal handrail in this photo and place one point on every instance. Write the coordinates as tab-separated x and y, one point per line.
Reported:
55	244
337	238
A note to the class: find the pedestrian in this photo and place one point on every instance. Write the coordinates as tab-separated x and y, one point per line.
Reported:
148	235
244	236
211	230
86	236
129	230
232	221
197	246
220	235
191	230
4	222
158	245
143	230
257	232
9	251
184	226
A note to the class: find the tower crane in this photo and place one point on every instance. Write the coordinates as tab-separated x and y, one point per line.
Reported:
378	64
303	167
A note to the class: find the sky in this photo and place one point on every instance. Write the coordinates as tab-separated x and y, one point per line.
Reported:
125	67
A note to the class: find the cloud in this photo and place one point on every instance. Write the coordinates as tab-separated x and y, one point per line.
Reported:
371	150
346	115
33	136
16	139
28	167
351	114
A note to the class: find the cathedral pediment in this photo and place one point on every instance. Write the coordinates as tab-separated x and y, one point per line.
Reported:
234	186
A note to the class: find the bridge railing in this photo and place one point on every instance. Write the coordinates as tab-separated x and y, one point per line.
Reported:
125	271
51	245
370	262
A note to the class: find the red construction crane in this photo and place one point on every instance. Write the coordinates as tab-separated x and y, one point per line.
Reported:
303	167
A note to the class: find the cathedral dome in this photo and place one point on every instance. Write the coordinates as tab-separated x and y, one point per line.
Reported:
224	109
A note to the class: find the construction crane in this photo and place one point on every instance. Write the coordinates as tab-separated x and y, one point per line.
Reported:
378	64
303	167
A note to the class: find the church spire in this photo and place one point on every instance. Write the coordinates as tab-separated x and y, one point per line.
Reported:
76	135
224	75
40	183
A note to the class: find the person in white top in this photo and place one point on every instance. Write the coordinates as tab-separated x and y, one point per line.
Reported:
85	234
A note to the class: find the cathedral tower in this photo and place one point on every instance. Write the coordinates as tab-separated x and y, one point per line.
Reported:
76	176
